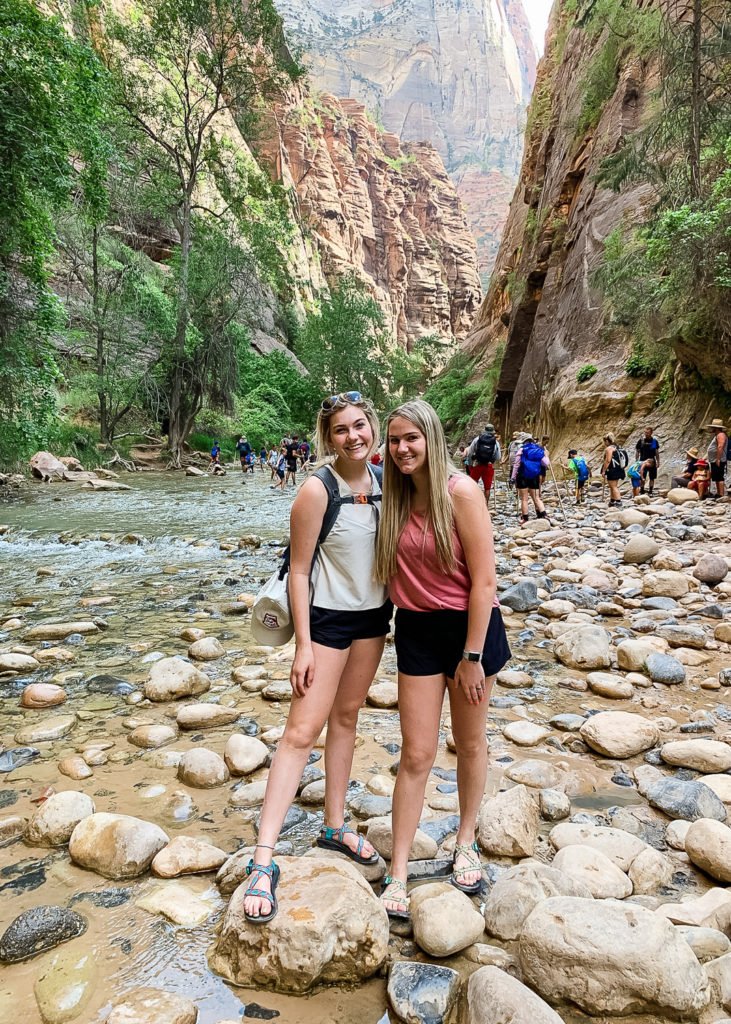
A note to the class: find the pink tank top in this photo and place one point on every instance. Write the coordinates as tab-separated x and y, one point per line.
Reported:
420	584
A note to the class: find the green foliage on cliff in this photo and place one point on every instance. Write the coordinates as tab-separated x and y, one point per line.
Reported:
458	395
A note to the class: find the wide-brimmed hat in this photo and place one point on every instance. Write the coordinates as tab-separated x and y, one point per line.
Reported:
693	452
715	425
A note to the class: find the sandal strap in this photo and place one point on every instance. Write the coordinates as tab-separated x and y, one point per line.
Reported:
259	870
399	886
468	851
339	835
261	893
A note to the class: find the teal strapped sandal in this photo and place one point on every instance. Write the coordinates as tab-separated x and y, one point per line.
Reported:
257	871
396	897
333	839
469	852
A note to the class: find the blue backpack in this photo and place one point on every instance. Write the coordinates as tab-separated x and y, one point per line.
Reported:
531	459
582	470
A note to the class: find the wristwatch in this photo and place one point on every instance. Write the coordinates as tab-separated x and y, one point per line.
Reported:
472	655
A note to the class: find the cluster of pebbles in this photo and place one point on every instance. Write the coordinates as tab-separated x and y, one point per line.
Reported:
136	749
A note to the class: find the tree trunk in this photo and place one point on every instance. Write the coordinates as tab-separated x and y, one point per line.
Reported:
178	430
100	339
696	102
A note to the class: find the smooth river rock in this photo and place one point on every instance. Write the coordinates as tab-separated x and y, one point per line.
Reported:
445	920
56	818
330	929
46	729
613	958
708	756
618	846
507	825
202	769
153	1006
244	754
688	800
173	678
205	716
584	647
36	930
494	997
619	733
592	868
422	993
65	985
186	855
42	695
519	890
708	844
116	845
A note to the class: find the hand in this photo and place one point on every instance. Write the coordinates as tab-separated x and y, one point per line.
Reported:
470	676
302	675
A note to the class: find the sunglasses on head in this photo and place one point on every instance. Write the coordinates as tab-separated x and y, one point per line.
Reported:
342	399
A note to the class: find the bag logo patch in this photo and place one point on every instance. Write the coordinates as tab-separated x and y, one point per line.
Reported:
270	621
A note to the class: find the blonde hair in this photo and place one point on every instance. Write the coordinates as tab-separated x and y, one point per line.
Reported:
610	438
399	491
325	453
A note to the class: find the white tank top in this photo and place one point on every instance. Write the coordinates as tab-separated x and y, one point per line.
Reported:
342	579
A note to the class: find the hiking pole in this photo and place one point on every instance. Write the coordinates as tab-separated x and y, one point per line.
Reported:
558	492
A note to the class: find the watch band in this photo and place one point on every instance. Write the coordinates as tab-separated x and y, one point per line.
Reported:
472	655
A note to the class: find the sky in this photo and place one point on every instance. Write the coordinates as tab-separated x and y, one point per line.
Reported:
538	12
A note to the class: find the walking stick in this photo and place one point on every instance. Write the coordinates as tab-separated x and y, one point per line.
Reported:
558	492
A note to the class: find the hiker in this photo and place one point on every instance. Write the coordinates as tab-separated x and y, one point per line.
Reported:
483	453
687	475
634	475
215	456
526	474
647	451
262	458
291	450
304	452
435	550
243	450
613	469
717	455
702	477
581	473
463	458
339	637
279	471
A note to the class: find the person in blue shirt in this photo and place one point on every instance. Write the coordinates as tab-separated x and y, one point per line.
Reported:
634	473
215	455
581	472
243	450
648	453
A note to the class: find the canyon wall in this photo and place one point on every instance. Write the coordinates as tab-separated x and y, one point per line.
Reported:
456	73
544	314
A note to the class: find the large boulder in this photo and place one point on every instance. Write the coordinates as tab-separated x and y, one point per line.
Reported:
330	928
711	569
507	825
596	871
709	756
619	733
612	958
173	678
632	654
519	890
665	583
494	997
689	800
618	846
584	647
116	845
445	920
57	817
47	467
708	844
681	495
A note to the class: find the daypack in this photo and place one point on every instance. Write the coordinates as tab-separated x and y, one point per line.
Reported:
334	503
635	470
582	470
620	457
485	449
530	459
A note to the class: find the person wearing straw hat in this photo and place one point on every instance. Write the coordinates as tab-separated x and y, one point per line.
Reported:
687	475
717	455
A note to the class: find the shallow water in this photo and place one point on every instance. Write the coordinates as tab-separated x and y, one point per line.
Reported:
186	571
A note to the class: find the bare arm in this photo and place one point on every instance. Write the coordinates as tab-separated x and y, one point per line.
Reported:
305	521
607	460
474	528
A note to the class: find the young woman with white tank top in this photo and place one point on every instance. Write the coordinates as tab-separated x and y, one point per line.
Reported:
341	617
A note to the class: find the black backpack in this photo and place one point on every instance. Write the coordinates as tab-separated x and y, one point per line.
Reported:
620	458
334	503
485	449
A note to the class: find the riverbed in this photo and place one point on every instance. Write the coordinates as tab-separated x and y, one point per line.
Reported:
142	565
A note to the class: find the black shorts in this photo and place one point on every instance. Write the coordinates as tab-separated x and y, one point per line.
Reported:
650	471
615	473
291	465
718	472
431	643
580	484
530	482
332	628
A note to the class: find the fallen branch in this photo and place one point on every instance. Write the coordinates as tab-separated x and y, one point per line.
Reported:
119	461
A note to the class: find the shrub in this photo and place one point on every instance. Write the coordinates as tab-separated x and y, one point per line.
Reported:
586	372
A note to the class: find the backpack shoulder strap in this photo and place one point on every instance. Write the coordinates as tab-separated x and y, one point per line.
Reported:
326	476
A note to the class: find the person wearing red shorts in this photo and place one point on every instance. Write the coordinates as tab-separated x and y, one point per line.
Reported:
482	455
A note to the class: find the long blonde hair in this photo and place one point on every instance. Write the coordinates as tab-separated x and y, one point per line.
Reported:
399	492
324	420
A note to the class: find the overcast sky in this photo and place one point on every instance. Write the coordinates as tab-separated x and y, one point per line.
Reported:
538	11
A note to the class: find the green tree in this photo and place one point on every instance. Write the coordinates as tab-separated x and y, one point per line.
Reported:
52	96
183	69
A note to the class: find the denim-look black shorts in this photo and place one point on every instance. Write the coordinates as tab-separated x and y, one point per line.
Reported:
431	643
332	628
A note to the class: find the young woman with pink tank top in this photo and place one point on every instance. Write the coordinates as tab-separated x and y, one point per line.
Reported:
435	551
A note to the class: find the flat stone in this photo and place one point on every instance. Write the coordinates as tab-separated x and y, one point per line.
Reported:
153	1006
42	695
701	755
60	630
148	737
65	985
11	662
711	910
186	855
536	774
48	729
606	684
618	846
178	903
619	733
525	734
205	716
687	800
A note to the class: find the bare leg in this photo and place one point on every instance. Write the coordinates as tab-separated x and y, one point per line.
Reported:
357	675
307	716
468	729
535	497
420	705
523	493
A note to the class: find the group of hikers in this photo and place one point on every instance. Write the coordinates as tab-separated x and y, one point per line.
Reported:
283	459
527	462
